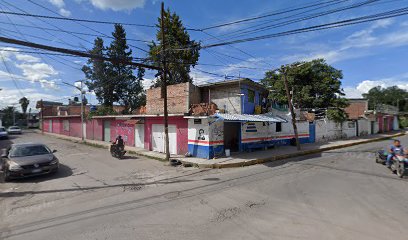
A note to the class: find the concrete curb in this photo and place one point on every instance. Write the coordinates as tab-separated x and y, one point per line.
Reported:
289	155
98	145
237	164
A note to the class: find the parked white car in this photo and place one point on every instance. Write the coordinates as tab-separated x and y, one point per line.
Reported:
3	133
14	130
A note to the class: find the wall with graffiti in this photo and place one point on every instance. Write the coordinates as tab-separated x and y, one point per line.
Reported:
206	137
126	130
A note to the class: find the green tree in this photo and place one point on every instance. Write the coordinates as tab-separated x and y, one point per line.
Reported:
96	73
8	116
181	52
314	84
392	96
24	102
128	88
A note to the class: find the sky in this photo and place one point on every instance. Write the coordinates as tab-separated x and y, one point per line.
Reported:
369	54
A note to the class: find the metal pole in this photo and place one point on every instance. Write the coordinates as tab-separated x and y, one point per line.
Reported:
164	85
14	116
292	111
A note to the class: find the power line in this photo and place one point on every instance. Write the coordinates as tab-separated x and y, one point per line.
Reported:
73	32
11	75
75	52
279	12
79	23
77	19
300	19
327	4
67	43
368	18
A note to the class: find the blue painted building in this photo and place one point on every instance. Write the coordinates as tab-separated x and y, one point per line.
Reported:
241	123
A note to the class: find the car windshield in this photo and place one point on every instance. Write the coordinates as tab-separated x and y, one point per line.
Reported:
2	129
23	151
14	128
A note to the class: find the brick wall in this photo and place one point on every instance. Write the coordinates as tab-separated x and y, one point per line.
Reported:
356	108
227	98
177	102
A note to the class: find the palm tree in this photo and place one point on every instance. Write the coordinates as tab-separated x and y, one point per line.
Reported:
24	102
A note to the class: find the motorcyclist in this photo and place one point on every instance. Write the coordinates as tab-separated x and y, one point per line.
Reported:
394	149
119	143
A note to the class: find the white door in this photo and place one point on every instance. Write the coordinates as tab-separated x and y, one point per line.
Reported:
139	135
158	138
173	139
50	126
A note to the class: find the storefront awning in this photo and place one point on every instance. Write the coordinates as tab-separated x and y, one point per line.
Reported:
249	118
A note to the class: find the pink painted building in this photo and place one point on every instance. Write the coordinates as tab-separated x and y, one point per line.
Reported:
142	131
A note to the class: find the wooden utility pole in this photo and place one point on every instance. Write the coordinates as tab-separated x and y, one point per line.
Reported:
164	84
42	117
292	111
82	112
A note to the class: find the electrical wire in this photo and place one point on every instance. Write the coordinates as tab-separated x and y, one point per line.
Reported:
79	23
353	21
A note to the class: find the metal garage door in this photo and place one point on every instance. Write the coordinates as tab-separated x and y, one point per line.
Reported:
106	131
158	142
50	126
139	135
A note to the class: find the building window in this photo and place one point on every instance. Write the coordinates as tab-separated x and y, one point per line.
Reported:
197	121
278	127
65	124
251	96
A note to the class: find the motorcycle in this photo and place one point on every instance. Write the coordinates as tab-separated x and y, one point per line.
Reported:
399	165
117	151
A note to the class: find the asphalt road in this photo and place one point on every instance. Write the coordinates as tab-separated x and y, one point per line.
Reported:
341	194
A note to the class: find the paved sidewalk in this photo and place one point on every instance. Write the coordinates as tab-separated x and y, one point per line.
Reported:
247	158
283	152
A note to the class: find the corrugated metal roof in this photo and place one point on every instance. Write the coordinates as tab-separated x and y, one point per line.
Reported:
249	118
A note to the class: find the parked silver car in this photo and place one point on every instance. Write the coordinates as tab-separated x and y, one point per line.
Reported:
3	133
14	130
28	159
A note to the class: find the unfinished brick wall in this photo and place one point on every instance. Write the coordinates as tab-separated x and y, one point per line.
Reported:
356	108
178	99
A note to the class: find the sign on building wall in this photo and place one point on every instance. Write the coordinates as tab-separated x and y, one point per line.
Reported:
198	130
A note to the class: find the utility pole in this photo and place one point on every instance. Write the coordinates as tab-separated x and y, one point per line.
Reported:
42	117
82	112
292	111
80	89
164	85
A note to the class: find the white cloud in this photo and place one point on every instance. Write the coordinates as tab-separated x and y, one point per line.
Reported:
364	86
356	45
148	82
118	5
57	3
37	71
32	68
60	4
27	58
11	97
64	12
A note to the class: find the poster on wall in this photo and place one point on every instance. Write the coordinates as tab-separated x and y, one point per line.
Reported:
216	130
